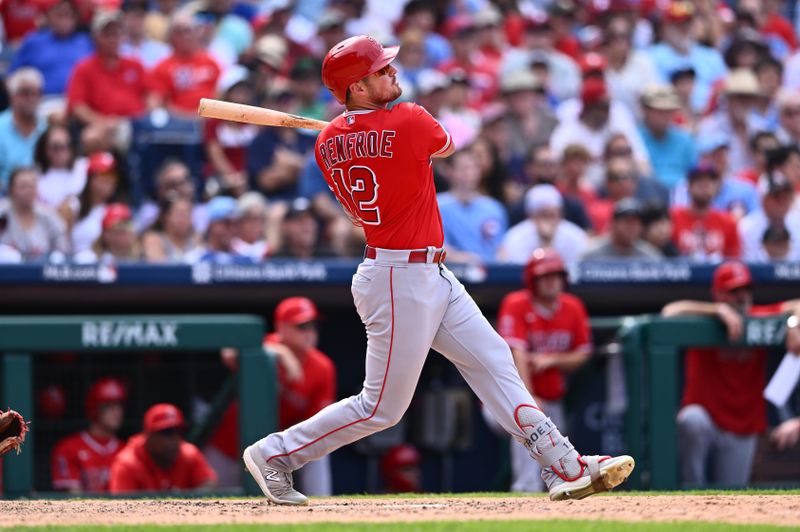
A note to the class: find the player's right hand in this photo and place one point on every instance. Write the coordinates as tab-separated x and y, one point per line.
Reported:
733	321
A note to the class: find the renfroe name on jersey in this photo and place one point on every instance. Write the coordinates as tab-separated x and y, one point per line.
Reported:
360	144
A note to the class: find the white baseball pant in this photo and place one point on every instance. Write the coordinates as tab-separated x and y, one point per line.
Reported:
407	309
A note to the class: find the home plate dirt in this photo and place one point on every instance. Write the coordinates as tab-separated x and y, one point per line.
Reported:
754	509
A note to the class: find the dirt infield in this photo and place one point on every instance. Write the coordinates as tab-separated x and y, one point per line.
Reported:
753	509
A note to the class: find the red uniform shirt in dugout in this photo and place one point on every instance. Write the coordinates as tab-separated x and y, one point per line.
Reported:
134	470
527	326
729	382
378	164
81	462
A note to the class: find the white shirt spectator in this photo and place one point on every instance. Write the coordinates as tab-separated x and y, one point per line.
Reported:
88	229
751	231
627	83
543	204
59	183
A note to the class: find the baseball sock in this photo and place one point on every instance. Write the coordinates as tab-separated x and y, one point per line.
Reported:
546	443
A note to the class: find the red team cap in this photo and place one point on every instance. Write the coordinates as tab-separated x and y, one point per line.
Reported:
100	163
162	416
678	12
730	276
104	391
116	213
594	91
296	310
542	262
352	60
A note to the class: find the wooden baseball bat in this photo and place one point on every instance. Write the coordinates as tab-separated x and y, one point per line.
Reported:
250	114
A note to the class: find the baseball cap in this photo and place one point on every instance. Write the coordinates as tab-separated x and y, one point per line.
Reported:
520	80
272	50
297	208
541	197
712	142
730	276
103	18
331	18
774	182
222	208
677	12
682	72
430	81
661	97
594	91
628	207
296	310
458	25
487	17
100	163
742	81
231	77
116	213
163	416
702	170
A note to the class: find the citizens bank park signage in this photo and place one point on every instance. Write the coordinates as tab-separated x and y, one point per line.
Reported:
109	333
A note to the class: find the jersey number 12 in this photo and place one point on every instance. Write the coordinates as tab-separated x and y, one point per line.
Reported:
358	192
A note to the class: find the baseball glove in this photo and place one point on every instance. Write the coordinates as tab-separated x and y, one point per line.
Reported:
12	431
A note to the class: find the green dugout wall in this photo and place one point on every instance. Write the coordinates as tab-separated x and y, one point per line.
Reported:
652	347
22	337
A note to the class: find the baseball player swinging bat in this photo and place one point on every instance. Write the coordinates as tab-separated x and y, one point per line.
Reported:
250	114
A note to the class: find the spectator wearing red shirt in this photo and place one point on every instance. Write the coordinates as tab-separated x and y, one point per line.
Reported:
480	70
20	17
701	232
227	142
723	409
189	74
106	89
306	383
158	459
82	462
549	335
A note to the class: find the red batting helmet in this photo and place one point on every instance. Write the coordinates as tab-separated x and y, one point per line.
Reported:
730	276
354	59
542	262
105	390
392	463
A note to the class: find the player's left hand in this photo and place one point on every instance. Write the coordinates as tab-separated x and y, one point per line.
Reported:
542	361
793	340
786	434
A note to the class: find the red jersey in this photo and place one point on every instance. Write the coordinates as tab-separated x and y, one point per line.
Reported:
182	81
378	163
118	91
82	462
297	401
234	139
525	325
134	470
713	235
729	382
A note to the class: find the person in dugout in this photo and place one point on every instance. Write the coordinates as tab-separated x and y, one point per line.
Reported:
723	409
401	471
158	459
306	385
81	463
549	335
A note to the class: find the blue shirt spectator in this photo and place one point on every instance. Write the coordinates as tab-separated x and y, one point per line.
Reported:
55	49
275	159
671	149
679	50
474	224
20	127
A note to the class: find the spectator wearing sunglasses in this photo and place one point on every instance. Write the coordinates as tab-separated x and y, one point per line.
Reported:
158	459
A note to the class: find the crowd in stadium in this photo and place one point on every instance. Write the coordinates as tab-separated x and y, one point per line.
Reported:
600	128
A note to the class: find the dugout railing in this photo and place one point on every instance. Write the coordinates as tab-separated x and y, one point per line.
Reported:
22	338
652	348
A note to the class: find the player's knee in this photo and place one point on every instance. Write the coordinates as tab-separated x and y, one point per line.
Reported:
694	420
